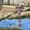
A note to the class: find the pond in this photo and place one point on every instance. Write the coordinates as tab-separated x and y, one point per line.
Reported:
14	22
8	23
26	24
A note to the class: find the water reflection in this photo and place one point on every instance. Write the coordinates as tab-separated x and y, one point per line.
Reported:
26	24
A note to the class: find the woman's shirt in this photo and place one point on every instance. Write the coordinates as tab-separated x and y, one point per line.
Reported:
19	10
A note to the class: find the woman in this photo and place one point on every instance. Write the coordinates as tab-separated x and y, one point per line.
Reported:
19	10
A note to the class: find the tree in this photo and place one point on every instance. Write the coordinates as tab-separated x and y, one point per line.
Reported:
8	2
13	2
1	3
28	3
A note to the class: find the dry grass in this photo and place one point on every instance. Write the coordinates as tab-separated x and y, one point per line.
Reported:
5	11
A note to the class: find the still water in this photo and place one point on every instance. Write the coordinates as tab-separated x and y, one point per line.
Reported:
8	23
26	24
14	22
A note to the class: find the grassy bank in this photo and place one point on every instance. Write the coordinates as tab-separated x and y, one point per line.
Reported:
9	29
15	17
